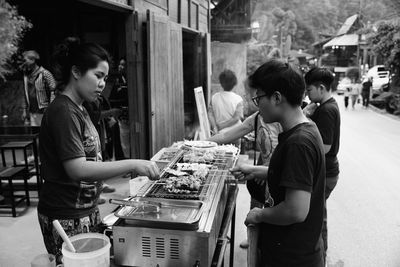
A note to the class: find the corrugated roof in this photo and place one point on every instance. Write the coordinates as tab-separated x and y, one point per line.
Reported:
343	40
322	42
347	25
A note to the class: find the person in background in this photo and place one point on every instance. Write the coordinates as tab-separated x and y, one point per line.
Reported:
226	109
39	87
119	99
327	118
347	95
102	117
70	152
290	230
366	89
354	93
119	93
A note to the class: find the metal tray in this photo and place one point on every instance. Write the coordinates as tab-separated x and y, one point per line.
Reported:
158	191
173	214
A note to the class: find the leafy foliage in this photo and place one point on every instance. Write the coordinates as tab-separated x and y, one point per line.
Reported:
12	28
386	43
317	16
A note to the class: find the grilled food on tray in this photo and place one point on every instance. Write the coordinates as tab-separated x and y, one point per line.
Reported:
182	185
225	149
175	172
199	156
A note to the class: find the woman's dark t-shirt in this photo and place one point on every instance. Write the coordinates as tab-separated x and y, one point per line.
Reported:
67	133
298	162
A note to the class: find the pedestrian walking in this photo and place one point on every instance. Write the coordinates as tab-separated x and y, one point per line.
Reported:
366	89
327	118
290	230
355	94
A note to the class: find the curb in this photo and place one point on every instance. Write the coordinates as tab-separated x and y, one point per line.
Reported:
383	112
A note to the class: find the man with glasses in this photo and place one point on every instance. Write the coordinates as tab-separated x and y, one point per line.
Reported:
327	118
266	139
290	230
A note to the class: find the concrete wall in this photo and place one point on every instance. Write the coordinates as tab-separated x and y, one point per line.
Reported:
228	56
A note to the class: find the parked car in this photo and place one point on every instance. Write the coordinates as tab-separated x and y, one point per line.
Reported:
380	79
343	85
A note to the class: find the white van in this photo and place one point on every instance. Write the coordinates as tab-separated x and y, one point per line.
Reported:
380	78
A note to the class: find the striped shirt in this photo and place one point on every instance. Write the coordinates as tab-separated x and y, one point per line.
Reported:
39	89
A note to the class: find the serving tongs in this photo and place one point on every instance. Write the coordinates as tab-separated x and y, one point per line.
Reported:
143	207
151	206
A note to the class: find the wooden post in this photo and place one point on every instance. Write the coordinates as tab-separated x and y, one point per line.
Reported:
252	250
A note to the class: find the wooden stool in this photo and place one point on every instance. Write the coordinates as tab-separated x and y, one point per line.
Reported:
11	174
24	146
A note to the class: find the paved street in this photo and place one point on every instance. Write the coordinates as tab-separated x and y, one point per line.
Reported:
364	208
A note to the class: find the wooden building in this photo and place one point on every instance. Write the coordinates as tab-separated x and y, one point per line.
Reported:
166	44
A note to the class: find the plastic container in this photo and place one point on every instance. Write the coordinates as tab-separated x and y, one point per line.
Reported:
91	250
136	184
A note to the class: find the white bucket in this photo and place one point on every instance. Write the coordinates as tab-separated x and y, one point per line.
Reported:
92	250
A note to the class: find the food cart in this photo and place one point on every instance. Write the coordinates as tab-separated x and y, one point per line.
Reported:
176	221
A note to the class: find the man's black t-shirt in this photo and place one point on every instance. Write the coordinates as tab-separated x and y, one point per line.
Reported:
366	86
67	133
327	119
298	162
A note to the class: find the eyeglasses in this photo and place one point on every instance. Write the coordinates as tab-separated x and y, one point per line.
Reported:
256	99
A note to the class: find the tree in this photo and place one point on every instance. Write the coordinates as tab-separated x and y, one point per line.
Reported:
319	16
386	43
12	28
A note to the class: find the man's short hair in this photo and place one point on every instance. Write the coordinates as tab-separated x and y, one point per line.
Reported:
278	76
227	79
31	54
320	75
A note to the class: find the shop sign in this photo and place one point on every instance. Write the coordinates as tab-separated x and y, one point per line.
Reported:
202	112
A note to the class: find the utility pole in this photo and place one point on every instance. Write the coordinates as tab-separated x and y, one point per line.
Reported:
359	40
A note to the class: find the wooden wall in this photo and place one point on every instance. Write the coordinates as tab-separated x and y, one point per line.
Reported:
193	14
165	80
158	118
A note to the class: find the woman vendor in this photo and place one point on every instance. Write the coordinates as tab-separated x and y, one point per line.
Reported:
70	150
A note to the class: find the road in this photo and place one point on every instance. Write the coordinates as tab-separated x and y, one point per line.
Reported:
364	208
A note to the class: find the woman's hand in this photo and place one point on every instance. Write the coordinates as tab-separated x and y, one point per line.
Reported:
147	168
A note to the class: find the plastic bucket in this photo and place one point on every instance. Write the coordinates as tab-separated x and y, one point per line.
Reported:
91	250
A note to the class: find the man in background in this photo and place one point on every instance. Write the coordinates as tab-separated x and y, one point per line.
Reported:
365	92
39	87
327	118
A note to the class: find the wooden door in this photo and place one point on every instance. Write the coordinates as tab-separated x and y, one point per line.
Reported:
165	81
176	82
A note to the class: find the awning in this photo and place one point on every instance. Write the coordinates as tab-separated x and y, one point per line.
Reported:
343	40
